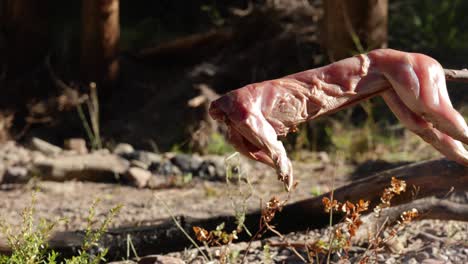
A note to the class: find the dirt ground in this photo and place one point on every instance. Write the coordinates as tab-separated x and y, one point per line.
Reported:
72	199
428	240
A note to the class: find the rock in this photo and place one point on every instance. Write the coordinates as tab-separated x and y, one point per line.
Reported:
187	163
16	174
76	144
412	261
390	260
149	158
139	164
323	157
396	244
157	181
138	177
2	172
197	260
443	257
123	148
422	256
102	151
380	258
123	262
96	166
165	168
212	169
45	147
432	261
160	259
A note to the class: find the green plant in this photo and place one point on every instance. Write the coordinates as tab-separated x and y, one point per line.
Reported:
29	244
217	145
93	130
240	191
267	259
92	237
428	24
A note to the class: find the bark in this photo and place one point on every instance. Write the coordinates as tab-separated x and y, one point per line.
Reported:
423	179
354	26
456	75
26	31
99	40
428	208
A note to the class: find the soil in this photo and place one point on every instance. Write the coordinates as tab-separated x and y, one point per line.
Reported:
72	199
428	240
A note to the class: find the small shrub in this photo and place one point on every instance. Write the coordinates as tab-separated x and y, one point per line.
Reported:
29	244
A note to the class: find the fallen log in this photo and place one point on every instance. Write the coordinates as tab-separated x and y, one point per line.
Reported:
427	178
428	208
95	166
430	178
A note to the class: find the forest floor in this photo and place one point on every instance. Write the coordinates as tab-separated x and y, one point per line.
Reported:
427	241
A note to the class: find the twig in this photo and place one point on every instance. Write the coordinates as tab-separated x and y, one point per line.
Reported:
456	75
176	222
331	236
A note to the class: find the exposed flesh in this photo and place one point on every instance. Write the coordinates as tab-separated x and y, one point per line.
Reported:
413	85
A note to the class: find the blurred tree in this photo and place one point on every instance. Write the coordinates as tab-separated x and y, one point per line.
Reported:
99	40
25	30
354	26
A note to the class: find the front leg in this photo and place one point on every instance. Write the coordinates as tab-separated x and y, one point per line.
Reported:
262	134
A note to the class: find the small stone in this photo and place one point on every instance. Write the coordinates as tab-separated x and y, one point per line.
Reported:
123	148
122	262
45	147
157	181
432	261
443	257
76	144
343	261
197	260
2	172
412	261
187	163
390	260
182	161
160	259
139	164
17	172
103	151
396	245
212	169
380	258
323	157
138	177
165	168
147	157
422	256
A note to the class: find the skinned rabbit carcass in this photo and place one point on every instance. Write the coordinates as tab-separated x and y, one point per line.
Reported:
413	86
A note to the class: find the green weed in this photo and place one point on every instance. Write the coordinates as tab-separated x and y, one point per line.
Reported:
29	245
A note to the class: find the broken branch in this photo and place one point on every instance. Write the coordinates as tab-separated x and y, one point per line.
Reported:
456	75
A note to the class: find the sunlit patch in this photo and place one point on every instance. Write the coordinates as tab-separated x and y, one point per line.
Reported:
436	82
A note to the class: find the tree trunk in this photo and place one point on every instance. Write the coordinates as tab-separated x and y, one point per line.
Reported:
354	26
25	35
99	40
